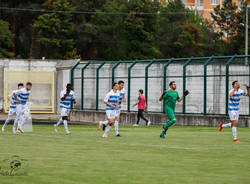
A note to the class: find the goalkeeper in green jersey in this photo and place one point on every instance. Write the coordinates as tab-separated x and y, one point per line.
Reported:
170	97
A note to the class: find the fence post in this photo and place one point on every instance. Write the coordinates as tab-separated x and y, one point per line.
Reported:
82	84
97	85
129	82
113	70
184	83
165	78
146	79
72	71
205	85
248	83
227	80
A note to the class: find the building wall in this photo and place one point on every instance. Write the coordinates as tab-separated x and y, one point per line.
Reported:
206	7
40	91
93	117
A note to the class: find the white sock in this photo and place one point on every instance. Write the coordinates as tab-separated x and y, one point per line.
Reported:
227	125
105	122
107	130
66	125
20	122
116	127
234	130
15	123
59	122
6	122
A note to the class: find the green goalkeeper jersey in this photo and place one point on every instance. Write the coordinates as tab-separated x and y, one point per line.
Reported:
170	98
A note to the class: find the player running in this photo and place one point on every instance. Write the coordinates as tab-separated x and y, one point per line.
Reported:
141	103
67	96
12	110
122	99
112	105
170	97
22	114
233	108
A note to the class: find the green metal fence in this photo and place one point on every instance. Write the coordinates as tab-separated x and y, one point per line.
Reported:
207	78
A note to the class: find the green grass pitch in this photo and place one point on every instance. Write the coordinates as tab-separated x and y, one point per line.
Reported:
189	155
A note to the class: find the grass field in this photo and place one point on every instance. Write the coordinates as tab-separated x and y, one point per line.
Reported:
189	155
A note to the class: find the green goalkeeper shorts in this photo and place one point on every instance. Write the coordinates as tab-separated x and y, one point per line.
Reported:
170	113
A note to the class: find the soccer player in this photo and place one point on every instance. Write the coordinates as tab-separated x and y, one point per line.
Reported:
141	103
233	108
112	105
67	96
12	110
22	96
170	97
122	99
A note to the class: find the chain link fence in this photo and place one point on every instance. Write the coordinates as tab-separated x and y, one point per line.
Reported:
207	78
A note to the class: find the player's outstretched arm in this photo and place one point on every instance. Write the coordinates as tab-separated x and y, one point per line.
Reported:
64	96
117	105
231	94
180	99
146	108
17	101
106	101
248	90
136	103
109	104
160	99
10	100
186	92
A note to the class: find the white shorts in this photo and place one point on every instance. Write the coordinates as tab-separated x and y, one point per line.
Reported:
117	113
20	109
12	112
234	115
111	114
65	112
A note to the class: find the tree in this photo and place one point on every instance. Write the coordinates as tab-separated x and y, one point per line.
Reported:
5	40
140	27
110	29
21	24
189	42
184	33
229	21
85	33
55	30
172	16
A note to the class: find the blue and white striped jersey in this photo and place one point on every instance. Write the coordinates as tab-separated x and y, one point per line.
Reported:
66	103
234	101
111	98
23	95
121	96
13	106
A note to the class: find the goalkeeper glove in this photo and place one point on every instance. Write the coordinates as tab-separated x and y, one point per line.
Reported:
186	92
248	87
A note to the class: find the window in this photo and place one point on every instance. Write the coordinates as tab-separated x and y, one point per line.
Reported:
199	2
214	2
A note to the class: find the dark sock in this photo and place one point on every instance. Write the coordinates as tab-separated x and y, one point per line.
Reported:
167	125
